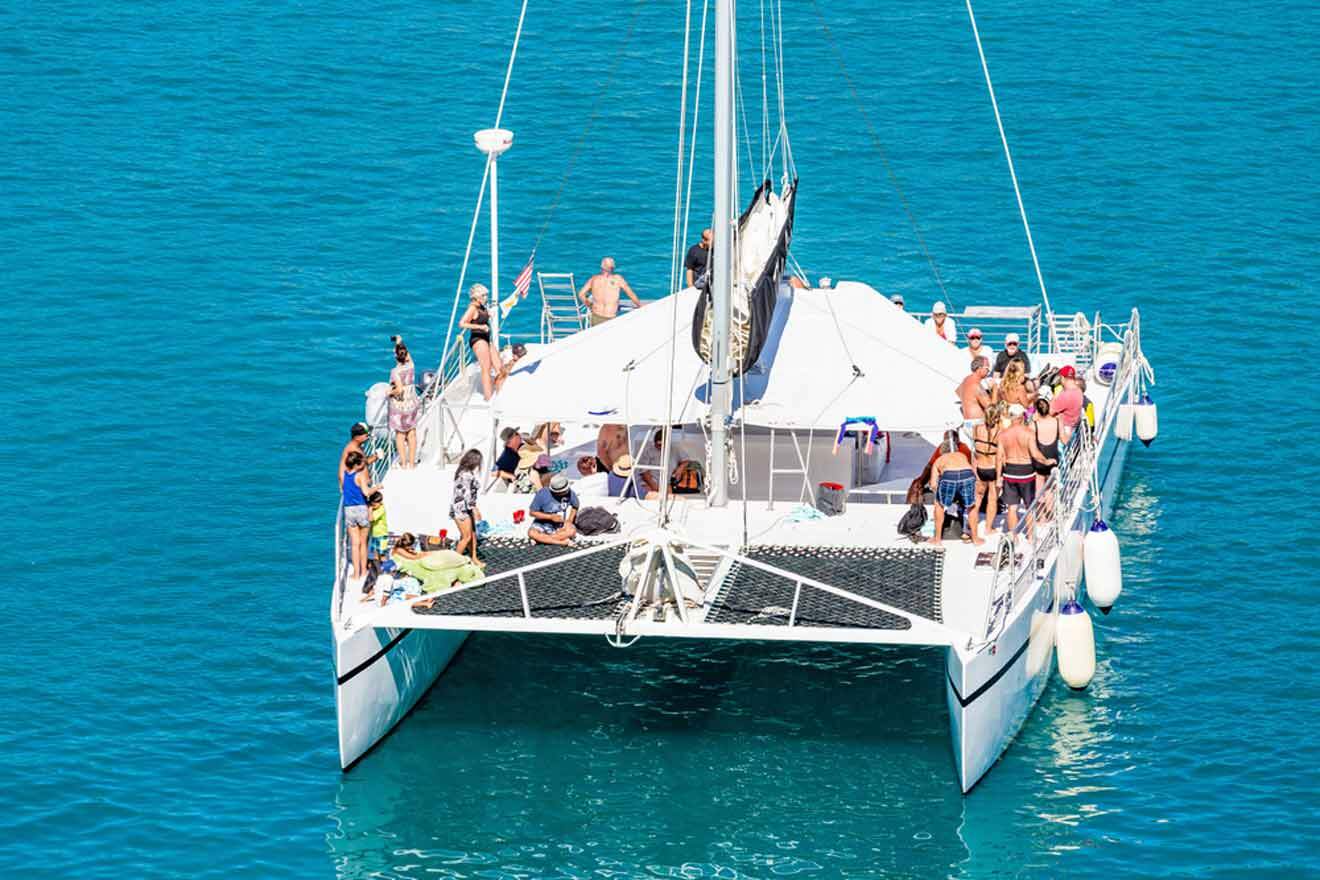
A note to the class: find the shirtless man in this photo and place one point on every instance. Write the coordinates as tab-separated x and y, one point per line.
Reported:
973	396
611	442
601	293
1019	474
952	480
357	439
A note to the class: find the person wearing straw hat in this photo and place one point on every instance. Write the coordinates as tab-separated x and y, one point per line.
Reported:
942	324
620	481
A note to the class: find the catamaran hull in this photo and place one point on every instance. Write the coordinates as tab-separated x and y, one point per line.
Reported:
380	675
990	694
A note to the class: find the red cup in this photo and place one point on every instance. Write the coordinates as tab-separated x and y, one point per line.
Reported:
444	535
518	516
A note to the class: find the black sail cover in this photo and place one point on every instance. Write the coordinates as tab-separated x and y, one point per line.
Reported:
761	298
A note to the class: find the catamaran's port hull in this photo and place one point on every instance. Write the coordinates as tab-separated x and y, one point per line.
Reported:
380	675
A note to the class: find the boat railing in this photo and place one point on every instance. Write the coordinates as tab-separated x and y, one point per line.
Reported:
341	554
996	322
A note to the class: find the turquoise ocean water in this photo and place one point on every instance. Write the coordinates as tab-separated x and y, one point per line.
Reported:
213	215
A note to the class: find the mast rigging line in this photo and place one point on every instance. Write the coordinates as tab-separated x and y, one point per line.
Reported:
884	158
1008	155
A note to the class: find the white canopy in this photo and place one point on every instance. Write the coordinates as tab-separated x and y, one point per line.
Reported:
833	354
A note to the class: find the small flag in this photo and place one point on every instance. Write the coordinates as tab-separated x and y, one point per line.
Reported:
521	285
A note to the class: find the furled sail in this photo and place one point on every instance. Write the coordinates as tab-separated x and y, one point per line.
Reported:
764	232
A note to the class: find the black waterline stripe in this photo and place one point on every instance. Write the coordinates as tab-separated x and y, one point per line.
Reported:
343	679
994	679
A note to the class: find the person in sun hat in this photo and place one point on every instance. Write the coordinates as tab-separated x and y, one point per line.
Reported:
552	511
942	324
1012	352
620	482
976	348
357	440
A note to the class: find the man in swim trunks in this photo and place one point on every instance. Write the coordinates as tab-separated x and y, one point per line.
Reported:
972	393
952	481
601	293
611	443
1019	474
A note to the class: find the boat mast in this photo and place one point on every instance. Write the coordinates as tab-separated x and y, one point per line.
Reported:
721	396
493	142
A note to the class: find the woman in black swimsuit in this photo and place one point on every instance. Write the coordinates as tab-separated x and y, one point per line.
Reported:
476	321
985	440
1048	449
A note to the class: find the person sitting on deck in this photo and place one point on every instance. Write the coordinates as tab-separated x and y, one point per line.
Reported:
516	353
1019	471
620	482
356	487
972	393
601	293
611	442
357	439
942	324
506	465
976	349
436	570
683	474
952	481
698	258
553	509
897	299
1012	352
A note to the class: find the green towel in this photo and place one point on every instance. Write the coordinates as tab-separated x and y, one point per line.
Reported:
438	570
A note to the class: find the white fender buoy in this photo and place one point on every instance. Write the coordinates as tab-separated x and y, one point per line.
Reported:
1075	645
378	405
1104	566
1040	641
1069	569
1123	423
1148	422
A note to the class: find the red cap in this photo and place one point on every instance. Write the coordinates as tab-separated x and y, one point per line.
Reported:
1068	372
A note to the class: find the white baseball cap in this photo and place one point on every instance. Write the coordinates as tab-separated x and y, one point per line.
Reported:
938	309
1012	337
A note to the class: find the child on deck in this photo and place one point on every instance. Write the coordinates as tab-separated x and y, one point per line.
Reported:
379	547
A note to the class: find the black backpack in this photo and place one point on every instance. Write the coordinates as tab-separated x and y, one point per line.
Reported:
596	521
912	521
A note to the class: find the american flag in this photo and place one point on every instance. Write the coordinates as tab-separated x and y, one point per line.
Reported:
523	282
521	285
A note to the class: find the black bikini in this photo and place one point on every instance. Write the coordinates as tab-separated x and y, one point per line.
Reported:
986	475
483	317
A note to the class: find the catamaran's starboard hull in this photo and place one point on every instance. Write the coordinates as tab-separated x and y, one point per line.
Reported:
991	695
380	675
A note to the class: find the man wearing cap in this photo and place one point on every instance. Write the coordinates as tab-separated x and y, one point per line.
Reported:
507	463
357	439
897	299
976	349
553	509
942	324
1068	403
1012	352
620	483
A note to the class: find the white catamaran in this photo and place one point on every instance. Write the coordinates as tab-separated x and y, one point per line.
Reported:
779	392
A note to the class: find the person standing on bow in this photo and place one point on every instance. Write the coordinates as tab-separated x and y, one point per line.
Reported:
601	293
476	321
404	405
942	324
698	258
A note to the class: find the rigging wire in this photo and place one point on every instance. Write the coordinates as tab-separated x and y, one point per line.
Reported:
990	87
884	158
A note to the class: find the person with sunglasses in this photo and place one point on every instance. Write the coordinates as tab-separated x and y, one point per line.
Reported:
975	347
1012	352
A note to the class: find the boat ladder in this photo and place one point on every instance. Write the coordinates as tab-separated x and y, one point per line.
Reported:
561	311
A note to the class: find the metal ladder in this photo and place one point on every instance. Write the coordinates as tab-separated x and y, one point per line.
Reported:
561	311
804	496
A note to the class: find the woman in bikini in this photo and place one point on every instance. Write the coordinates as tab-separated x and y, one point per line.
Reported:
985	440
1013	389
1046	428
476	321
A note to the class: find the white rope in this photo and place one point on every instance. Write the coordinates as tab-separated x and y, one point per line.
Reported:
990	87
513	53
